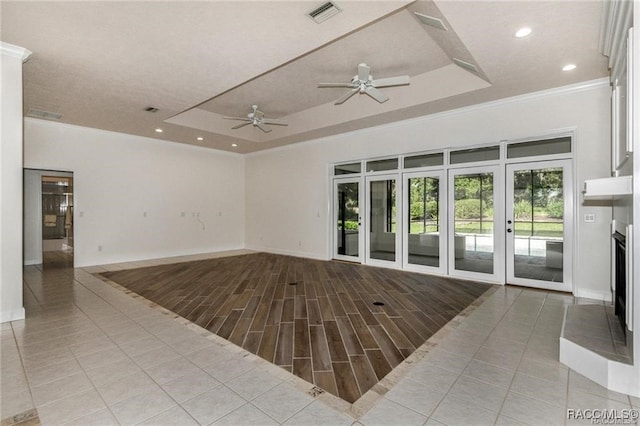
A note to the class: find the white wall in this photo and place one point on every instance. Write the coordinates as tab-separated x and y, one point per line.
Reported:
11	58
287	190
118	178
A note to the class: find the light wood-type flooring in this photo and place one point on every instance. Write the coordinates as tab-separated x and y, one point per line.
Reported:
340	326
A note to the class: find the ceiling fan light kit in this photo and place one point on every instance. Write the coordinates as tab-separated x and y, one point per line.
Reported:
364	83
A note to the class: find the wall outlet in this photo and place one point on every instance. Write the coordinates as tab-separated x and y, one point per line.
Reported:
99	248
144	214
590	217
182	214
81	214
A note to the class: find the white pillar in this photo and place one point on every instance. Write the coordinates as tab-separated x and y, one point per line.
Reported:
11	119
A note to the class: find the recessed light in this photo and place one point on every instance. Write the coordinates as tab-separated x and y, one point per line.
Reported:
569	67
200	138
523	32
234	144
159	130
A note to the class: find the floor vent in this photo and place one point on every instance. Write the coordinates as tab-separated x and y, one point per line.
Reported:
324	12
431	21
45	115
466	65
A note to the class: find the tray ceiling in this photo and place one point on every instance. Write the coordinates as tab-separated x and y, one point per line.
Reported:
100	64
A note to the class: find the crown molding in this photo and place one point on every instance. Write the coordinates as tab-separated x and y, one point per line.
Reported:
14	51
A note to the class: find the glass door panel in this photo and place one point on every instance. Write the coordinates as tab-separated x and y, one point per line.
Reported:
537	223
423	242
382	227
347	220
474	249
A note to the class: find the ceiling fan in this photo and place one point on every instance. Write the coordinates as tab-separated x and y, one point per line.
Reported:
256	118
363	82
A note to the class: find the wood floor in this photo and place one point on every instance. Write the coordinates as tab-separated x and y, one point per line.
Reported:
340	326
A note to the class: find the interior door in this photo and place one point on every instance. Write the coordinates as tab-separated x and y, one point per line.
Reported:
383	225
348	238
539	224
476	249
425	225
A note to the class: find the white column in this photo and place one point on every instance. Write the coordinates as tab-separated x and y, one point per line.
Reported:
11	119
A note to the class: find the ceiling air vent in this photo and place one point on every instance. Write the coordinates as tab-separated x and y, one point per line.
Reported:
324	12
45	115
431	21
466	65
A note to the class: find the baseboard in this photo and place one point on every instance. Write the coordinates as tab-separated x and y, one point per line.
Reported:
306	255
32	262
14	315
595	295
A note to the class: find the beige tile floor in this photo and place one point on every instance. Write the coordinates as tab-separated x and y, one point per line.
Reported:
89	353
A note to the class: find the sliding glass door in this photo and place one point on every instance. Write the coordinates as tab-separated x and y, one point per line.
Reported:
475	225
424	214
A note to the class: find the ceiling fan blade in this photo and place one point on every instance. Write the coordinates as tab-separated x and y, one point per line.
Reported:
363	72
391	81
241	125
376	94
274	122
261	127
335	85
237	118
346	96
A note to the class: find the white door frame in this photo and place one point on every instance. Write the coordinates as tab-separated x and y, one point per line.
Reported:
442	214
398	248
336	205
498	274
567	250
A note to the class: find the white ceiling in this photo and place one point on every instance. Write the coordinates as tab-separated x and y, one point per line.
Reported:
99	64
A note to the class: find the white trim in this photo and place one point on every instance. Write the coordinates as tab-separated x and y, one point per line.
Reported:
15	315
591	294
296	253
14	51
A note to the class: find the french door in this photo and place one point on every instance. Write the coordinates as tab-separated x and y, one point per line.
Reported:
382	224
348	241
539	224
476	231
425	224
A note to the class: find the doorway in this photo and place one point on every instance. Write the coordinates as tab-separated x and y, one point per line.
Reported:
48	219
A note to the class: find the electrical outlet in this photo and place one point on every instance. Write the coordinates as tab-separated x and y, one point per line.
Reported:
144	214
182	214
589	217
81	214
99	248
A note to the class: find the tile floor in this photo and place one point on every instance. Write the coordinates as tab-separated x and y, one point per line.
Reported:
89	353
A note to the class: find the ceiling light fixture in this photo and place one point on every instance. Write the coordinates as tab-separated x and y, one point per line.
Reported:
569	67
159	130
200	138
234	144
523	32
